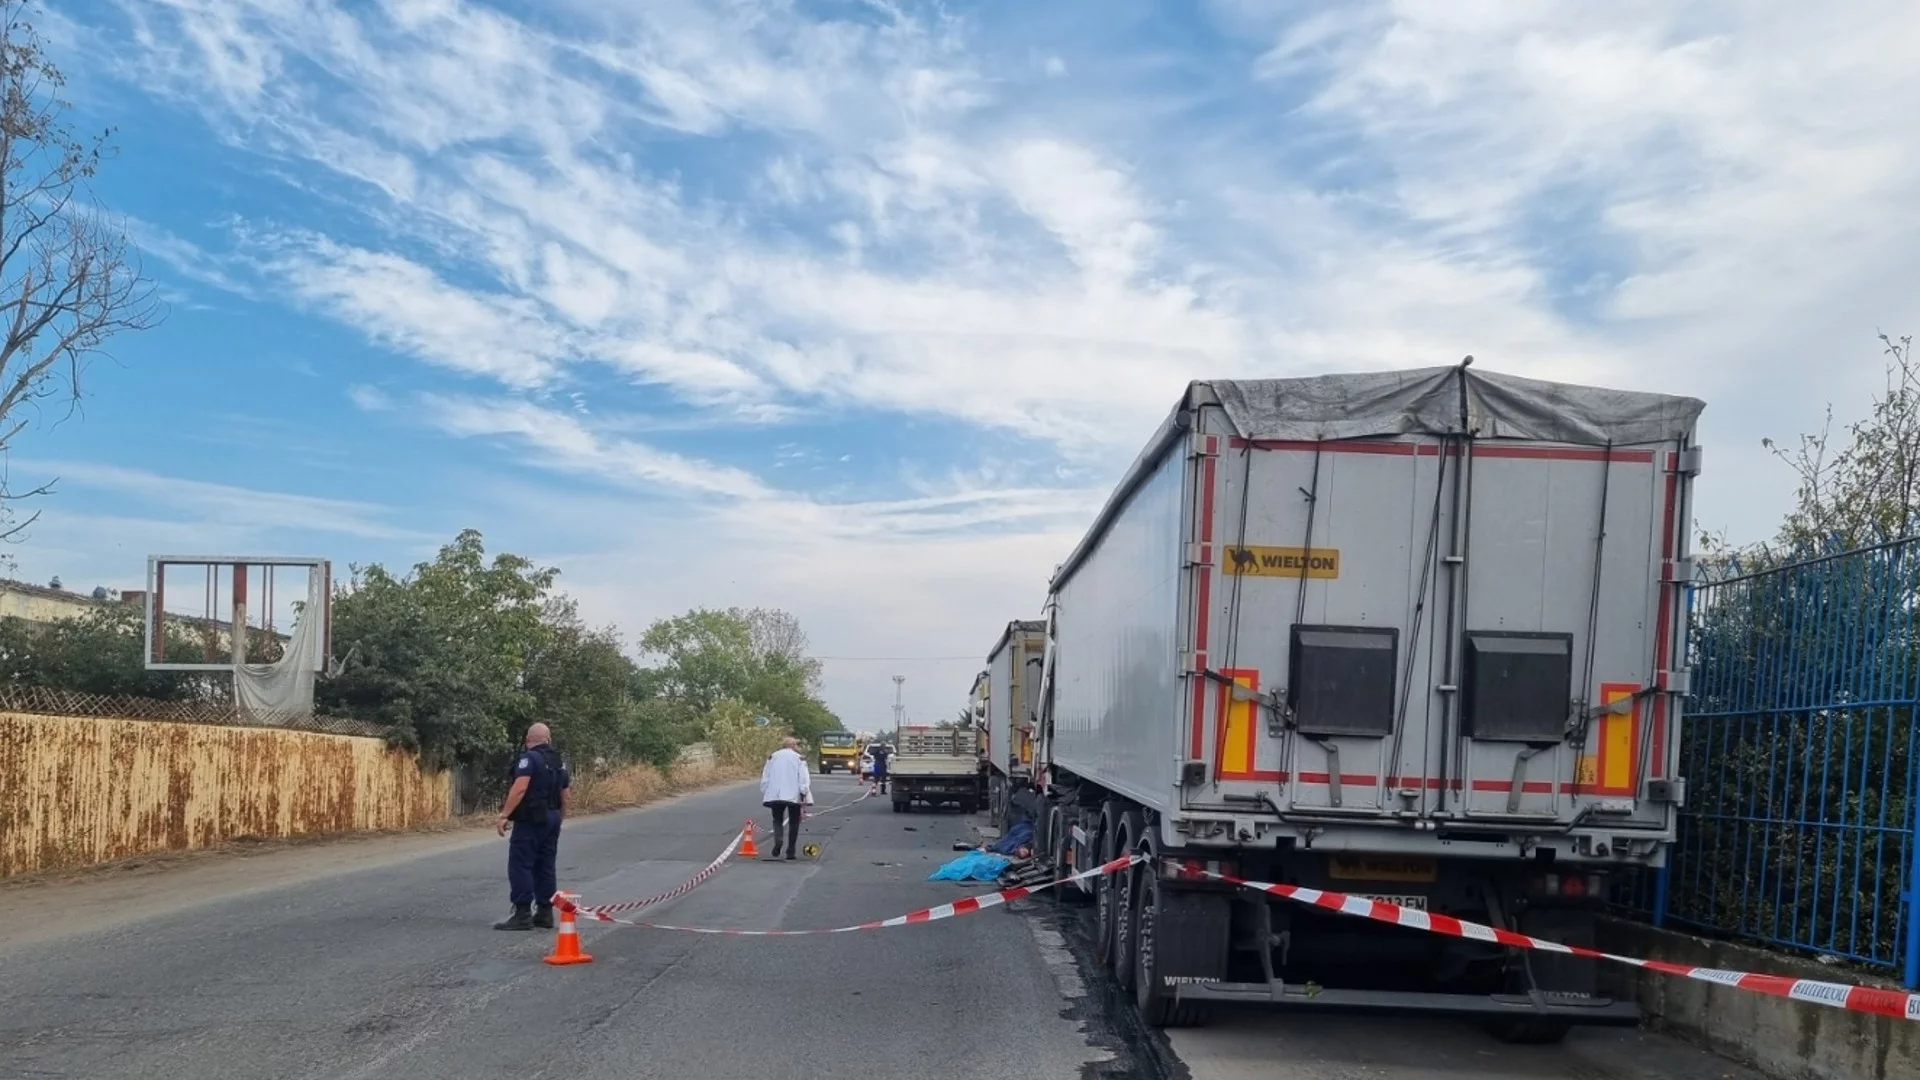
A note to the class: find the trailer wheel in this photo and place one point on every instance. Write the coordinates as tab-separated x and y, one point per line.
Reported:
899	806
1124	884
1157	1004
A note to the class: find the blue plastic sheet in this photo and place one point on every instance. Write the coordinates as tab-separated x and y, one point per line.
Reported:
973	866
1019	836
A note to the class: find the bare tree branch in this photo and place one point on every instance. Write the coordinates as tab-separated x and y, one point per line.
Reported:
69	281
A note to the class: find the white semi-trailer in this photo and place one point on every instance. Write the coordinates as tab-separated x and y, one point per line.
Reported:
1416	636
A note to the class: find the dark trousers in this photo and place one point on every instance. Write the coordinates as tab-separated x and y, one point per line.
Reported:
530	860
787	815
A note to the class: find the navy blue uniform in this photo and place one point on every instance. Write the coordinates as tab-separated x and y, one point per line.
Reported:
536	826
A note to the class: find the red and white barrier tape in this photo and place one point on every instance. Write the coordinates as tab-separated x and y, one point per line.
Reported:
1895	1003
603	912
964	906
864	796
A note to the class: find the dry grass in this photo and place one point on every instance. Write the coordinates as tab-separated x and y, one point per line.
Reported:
637	785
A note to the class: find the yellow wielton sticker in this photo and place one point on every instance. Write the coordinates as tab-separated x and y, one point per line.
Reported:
1283	562
1371	867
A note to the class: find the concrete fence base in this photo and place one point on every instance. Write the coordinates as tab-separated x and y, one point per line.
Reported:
1789	1040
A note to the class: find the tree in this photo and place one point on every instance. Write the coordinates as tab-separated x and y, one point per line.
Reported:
708	655
753	657
581	682
68	278
442	654
777	639
101	652
1866	488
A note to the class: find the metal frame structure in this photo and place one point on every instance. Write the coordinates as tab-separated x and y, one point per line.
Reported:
155	603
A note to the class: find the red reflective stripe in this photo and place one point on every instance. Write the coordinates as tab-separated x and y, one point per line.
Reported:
1481	449
1661	633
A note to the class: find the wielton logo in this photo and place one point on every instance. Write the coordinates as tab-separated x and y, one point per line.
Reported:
1323	563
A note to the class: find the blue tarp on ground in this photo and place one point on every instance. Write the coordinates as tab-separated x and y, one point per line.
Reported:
973	866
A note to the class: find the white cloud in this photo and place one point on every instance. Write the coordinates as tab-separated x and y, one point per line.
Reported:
1710	198
564	441
239	509
369	398
404	305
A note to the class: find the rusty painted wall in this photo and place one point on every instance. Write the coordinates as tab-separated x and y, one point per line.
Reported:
82	790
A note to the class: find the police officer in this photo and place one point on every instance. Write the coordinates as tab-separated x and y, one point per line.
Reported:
535	805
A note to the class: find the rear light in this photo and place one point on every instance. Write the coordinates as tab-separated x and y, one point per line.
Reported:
1569	886
1195	869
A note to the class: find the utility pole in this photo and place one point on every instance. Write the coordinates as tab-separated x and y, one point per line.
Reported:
899	704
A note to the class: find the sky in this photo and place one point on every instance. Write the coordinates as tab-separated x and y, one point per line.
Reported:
859	308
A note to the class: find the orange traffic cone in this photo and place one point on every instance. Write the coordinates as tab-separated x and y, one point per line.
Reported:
747	848
566	946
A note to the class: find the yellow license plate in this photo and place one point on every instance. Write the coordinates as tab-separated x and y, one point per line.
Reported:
1407	868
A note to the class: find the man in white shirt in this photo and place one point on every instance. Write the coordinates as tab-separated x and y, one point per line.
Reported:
785	785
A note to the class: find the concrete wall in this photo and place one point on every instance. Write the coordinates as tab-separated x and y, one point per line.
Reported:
1785	1039
76	791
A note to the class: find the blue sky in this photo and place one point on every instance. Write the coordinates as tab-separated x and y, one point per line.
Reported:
857	308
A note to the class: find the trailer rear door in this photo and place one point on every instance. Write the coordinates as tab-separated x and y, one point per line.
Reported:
1421	627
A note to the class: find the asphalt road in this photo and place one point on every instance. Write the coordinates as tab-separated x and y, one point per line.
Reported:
376	960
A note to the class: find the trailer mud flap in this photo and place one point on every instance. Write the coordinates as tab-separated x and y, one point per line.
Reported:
1192	932
1554	973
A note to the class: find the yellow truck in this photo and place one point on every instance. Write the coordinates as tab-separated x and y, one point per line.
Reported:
838	749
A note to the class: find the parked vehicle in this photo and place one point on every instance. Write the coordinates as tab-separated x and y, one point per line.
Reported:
1005	707
1415	636
935	766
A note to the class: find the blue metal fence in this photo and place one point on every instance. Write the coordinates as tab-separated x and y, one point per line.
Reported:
1798	752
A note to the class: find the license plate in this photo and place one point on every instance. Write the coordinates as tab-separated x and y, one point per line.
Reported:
1413	869
1417	903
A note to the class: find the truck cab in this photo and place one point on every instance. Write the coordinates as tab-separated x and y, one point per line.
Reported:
838	751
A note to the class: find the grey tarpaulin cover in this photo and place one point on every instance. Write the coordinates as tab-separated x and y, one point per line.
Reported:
1424	401
1427	401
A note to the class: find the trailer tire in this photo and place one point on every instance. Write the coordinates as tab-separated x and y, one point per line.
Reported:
1124	884
1106	890
1158	1007
1532	1031
1052	835
899	806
